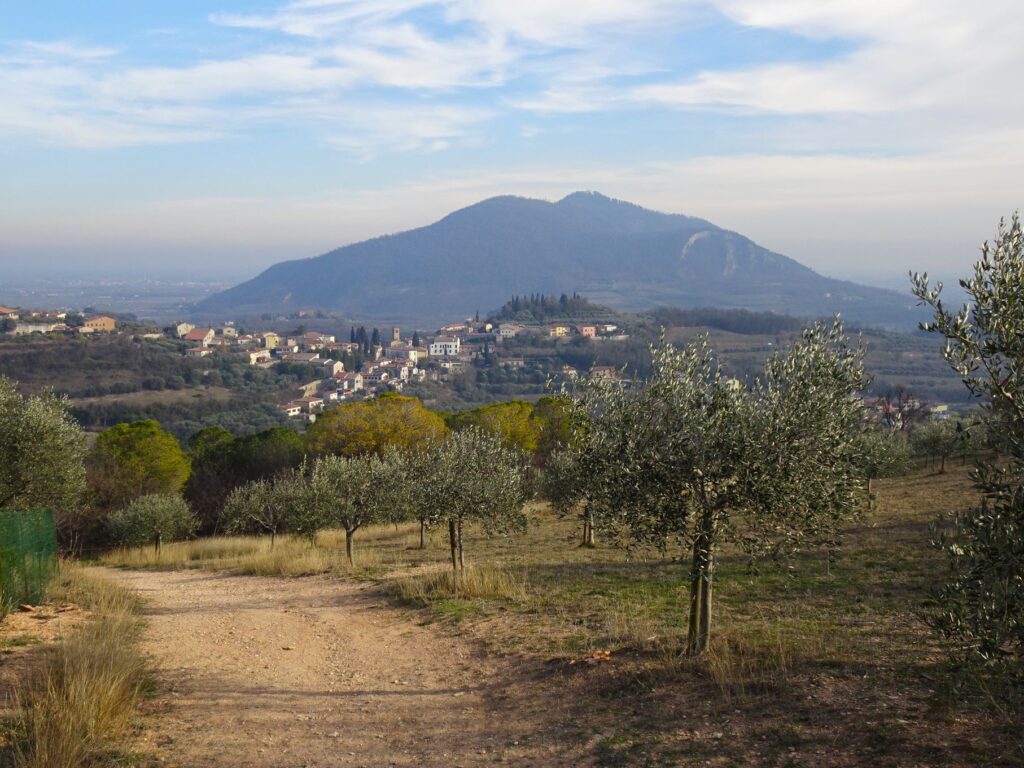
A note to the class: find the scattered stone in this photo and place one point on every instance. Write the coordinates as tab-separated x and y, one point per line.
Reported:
26	608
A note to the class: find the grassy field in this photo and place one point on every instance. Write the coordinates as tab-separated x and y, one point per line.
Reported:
806	658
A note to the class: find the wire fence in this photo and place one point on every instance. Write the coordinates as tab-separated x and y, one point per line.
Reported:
28	557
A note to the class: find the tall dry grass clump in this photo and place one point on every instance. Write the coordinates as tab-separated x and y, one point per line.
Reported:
474	583
757	660
88	685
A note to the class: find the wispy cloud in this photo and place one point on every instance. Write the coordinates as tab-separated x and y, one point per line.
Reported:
373	76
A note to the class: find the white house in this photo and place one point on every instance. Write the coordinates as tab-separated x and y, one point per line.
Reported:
291	409
445	346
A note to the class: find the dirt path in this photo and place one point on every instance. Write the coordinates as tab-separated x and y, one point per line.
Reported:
317	672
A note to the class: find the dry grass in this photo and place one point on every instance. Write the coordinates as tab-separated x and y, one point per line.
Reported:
87	687
377	548
475	583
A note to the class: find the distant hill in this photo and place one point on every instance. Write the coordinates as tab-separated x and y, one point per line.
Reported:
614	252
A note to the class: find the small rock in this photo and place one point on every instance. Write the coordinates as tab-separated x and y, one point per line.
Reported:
24	608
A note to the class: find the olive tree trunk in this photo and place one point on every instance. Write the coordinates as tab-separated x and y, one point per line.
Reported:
588	530
701	578
423	533
349	536
453	543
462	556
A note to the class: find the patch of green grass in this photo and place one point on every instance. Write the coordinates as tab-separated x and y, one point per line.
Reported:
8	644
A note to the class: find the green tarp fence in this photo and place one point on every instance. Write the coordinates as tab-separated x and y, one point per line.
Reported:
28	557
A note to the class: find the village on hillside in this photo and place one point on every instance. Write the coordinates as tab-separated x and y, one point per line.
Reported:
333	371
383	364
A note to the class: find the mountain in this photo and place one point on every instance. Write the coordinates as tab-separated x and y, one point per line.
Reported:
613	252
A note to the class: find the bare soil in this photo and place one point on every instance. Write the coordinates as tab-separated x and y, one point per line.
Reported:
319	672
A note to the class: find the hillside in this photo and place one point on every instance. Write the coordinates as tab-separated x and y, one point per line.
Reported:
616	253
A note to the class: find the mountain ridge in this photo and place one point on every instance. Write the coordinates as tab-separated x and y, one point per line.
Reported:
613	251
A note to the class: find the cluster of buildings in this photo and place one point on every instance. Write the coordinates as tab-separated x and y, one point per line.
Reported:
24	322
386	366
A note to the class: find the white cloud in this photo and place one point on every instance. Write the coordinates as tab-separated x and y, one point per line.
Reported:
66	49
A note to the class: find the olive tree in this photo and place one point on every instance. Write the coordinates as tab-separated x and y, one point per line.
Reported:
256	508
303	504
351	492
42	457
936	440
471	477
570	479
884	452
154	518
980	609
691	457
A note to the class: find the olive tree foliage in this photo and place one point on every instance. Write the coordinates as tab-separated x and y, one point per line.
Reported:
472	478
152	519
980	609
42	458
691	458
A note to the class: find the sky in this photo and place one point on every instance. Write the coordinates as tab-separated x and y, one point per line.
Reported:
208	139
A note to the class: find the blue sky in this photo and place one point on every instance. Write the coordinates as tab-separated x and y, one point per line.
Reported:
214	137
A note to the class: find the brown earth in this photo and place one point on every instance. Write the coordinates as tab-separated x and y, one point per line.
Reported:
318	672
